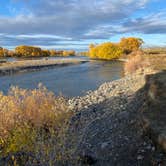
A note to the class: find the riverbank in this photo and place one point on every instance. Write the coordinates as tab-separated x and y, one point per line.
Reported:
103	127
107	125
128	85
35	65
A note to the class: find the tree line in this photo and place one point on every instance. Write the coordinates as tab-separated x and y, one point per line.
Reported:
108	50
31	51
111	50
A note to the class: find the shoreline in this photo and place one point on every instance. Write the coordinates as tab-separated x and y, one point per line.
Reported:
126	85
109	118
10	68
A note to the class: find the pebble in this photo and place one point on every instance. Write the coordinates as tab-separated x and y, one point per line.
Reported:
104	145
140	157
121	90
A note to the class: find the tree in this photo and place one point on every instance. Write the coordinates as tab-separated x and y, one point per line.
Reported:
45	53
11	53
28	51
68	53
130	44
53	53
1	52
92	51
106	51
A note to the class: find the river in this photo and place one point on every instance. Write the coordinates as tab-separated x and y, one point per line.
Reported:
74	80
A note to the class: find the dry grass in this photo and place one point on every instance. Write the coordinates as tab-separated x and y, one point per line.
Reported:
33	121
155	50
142	60
157	61
136	62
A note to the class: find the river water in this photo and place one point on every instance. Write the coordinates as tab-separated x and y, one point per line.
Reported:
71	81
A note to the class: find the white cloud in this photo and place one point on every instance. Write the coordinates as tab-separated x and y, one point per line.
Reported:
46	22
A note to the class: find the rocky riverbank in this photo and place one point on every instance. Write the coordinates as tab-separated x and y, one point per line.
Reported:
107	126
8	68
128	85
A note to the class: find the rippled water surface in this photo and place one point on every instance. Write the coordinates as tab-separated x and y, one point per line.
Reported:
70	80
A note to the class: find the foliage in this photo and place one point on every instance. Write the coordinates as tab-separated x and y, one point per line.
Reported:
106	51
31	51
53	52
32	121
1	52
28	51
110	50
36	51
68	53
130	44
83	53
22	138
4	52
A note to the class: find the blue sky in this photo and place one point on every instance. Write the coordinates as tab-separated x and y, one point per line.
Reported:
73	24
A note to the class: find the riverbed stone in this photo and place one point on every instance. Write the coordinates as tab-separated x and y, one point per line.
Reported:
107	127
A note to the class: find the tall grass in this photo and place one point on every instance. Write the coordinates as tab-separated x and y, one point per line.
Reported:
155	50
135	62
142	60
32	121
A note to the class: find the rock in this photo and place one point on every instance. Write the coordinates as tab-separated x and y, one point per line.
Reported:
140	157
104	145
106	126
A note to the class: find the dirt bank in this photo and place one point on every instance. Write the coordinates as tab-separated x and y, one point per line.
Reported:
34	65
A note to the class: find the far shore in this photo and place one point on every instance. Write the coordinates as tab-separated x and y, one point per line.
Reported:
9	68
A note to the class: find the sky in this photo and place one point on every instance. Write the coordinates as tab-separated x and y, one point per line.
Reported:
74	24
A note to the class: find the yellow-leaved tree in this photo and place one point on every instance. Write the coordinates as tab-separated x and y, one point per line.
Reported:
4	52
107	51
68	53
28	51
53	52
92	51
1	52
130	44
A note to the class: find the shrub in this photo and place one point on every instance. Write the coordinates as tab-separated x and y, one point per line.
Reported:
134	63
32	121
22	138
